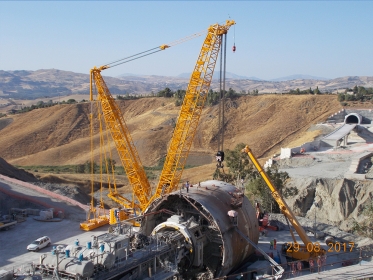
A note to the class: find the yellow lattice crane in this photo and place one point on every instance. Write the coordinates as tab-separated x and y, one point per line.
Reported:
191	110
185	128
123	142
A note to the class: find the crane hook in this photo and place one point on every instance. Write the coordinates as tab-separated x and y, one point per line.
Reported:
234	48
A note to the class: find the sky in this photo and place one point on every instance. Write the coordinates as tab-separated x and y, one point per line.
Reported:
274	39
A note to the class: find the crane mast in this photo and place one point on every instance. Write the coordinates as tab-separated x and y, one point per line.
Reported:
123	142
191	110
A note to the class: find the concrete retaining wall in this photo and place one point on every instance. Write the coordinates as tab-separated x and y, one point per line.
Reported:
354	167
308	146
339	117
367	114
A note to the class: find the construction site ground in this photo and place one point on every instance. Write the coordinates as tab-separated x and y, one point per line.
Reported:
14	255
327	162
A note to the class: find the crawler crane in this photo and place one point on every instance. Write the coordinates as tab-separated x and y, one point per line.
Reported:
184	131
191	111
294	250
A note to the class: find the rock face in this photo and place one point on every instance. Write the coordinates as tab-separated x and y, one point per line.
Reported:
340	201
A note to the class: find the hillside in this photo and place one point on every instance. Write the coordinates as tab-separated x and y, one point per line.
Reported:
13	172
49	83
60	135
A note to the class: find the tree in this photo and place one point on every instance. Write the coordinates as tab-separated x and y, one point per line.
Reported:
239	163
349	97
180	93
167	92
231	93
258	189
317	91
362	91
88	167
71	101
341	97
40	104
80	168
240	166
108	166
178	102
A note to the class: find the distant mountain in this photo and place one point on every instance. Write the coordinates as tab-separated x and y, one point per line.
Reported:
299	77
228	75
47	83
128	75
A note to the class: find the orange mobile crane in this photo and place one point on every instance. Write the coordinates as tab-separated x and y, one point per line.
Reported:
292	250
184	131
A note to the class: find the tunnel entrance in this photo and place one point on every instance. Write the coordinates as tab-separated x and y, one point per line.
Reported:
353	119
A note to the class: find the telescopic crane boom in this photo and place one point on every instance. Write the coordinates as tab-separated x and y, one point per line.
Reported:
305	251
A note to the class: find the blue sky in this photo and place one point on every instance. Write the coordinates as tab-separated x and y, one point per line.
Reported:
274	38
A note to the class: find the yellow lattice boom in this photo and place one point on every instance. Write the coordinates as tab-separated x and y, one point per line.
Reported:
126	149
191	111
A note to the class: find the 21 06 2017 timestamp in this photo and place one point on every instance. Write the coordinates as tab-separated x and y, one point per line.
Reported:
316	247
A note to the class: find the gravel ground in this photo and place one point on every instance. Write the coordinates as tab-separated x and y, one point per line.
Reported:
339	235
318	165
14	241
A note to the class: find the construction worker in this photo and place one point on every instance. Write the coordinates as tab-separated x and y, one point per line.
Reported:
271	245
187	186
311	265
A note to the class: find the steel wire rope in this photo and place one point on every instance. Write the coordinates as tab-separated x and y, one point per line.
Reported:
158	49
109	143
111	157
91	143
134	58
102	151
108	64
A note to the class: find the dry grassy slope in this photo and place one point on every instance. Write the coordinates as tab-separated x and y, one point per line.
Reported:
60	135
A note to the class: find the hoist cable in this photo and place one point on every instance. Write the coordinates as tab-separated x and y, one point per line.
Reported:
220	98
223	105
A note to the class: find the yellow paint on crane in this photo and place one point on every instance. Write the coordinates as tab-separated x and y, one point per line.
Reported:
94	223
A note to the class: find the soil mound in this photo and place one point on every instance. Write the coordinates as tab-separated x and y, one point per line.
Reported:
10	171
